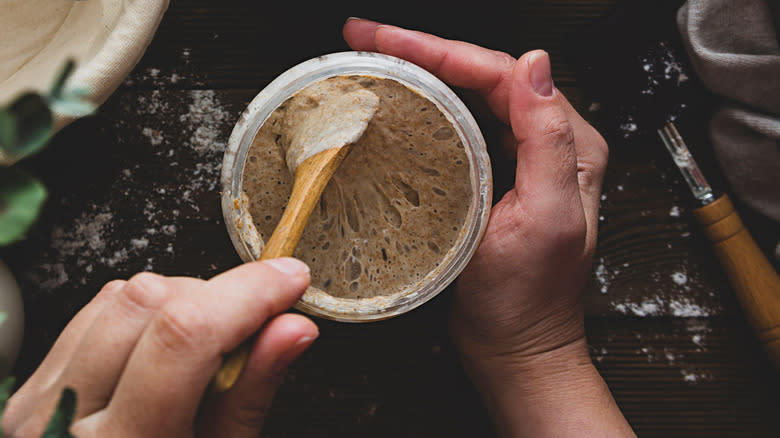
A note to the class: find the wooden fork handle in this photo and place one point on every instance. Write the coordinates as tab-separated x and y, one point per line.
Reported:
753	279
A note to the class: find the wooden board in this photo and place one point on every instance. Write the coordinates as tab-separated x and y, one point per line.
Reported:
137	188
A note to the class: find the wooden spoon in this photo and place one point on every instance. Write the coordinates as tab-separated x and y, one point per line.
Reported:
317	148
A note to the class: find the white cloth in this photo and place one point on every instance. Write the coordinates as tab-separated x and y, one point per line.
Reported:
105	37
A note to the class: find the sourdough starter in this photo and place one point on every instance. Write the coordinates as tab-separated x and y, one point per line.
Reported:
393	209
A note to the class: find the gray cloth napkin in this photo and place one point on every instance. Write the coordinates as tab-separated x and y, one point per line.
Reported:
733	46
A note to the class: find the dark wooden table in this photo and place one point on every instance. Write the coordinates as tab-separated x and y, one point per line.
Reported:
136	188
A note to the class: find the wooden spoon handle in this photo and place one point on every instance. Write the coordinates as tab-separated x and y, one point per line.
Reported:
754	280
311	177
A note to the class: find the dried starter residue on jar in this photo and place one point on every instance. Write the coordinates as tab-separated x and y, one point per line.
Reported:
392	211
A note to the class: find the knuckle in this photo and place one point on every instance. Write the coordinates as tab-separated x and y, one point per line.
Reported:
145	290
506	59
182	327
559	131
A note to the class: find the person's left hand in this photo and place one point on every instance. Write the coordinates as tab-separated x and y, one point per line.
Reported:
141	354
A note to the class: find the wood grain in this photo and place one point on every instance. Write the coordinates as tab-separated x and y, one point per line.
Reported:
754	280
137	162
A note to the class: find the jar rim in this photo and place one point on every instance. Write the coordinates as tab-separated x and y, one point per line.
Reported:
319	303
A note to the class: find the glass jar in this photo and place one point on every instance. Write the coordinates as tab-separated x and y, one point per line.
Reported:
239	223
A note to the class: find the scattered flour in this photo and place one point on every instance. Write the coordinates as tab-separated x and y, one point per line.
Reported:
97	239
649	307
52	275
675	294
670	356
629	126
699	329
602	276
84	237
685	308
679	278
695	376
162	79
82	245
155	137
206	125
661	72
649	352
662	66
656	306
154	104
660	347
203	119
598	354
141	243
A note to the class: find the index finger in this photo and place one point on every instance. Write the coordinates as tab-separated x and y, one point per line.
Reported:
180	350
458	63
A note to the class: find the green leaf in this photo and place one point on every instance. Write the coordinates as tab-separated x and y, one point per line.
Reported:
25	125
59	425
7	128
58	86
72	106
78	91
69	101
21	199
6	388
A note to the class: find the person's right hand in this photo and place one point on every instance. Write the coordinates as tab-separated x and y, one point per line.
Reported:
141	354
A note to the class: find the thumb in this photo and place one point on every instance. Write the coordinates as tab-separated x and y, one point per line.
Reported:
546	154
241	411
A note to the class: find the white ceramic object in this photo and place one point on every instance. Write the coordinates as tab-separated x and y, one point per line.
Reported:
106	38
12	328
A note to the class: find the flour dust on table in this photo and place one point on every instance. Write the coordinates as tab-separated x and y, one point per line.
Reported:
184	135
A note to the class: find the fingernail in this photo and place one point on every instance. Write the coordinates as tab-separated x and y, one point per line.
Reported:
352	19
289	266
290	355
540	75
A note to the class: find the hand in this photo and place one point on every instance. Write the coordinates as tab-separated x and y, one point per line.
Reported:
520	292
517	318
141	354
